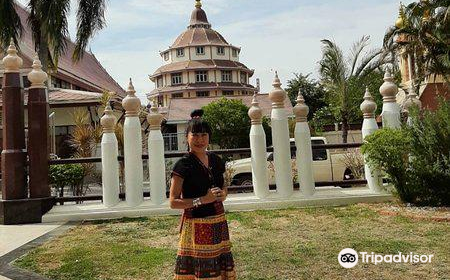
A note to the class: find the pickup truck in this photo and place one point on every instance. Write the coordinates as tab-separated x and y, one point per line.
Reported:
326	166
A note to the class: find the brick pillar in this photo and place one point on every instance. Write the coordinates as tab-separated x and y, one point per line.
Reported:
14	184
38	132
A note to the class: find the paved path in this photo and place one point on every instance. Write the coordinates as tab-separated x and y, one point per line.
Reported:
15	236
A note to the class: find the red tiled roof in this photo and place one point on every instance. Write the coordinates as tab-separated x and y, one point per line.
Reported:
201	64
181	108
88	71
67	96
199	36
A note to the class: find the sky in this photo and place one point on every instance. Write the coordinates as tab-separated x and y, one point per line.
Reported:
281	35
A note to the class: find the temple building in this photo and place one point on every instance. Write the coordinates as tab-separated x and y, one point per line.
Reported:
72	86
431	88
198	68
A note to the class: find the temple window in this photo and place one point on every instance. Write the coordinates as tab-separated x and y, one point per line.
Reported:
243	78
227	92
202	93
201	76
220	50
180	52
226	76
166	56
200	50
159	82
176	79
235	52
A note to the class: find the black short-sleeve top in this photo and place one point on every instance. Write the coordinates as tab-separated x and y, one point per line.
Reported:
197	180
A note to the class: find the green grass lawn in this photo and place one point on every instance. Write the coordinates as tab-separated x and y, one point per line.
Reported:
277	244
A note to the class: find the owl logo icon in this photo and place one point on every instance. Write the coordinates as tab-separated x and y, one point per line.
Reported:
348	258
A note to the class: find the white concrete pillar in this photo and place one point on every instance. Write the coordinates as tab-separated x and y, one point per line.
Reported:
132	138
280	139
304	150
411	101
258	151
110	165
373	175
391	110
156	163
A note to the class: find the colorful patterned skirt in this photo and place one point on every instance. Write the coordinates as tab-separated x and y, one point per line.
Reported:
204	250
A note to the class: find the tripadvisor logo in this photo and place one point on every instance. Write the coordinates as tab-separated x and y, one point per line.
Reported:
349	258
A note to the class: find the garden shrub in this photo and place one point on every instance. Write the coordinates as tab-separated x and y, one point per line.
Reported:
430	154
70	175
388	149
416	157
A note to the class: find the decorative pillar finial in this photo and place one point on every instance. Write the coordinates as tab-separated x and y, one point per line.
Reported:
108	121
37	77
198	4
301	110
255	112
12	62
154	118
368	106
412	100
388	89
277	95
131	102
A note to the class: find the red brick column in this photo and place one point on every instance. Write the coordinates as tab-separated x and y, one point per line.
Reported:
38	132
14	184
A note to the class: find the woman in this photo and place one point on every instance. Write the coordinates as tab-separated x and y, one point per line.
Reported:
197	186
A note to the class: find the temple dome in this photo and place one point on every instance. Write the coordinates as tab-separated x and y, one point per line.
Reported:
198	16
199	31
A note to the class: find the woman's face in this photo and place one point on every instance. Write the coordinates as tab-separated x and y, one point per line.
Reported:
198	142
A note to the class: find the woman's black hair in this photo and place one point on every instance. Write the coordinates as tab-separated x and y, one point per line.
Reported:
197	124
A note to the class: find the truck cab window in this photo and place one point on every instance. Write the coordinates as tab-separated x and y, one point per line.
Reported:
319	154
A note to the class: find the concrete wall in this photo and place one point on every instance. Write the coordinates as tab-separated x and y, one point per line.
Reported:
335	137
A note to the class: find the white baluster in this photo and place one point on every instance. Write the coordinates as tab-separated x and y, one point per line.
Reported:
258	151
304	150
156	163
280	139
132	135
110	165
368	107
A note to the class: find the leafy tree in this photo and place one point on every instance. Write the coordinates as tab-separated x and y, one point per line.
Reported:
312	91
230	123
422	30
343	78
48	21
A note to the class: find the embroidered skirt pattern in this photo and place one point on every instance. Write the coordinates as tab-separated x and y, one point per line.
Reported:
205	250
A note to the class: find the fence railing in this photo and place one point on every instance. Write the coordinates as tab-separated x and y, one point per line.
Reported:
231	189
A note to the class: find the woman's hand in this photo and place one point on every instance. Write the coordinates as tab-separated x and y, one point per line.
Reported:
209	197
219	194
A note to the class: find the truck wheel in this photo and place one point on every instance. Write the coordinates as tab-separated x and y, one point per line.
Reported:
348	175
244	181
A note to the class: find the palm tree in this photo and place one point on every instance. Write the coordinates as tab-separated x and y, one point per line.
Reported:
48	22
344	78
422	30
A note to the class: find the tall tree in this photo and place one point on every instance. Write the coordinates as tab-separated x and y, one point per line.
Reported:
422	30
312	91
48	22
230	123
344	77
